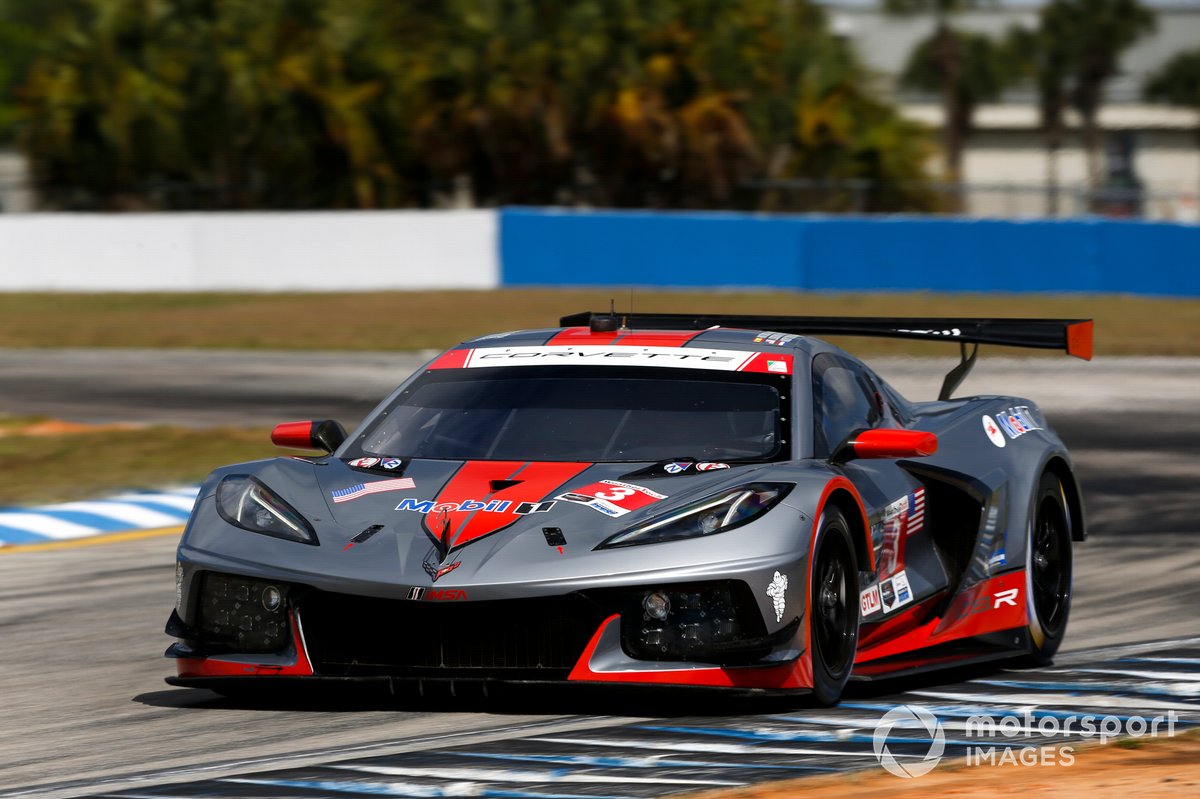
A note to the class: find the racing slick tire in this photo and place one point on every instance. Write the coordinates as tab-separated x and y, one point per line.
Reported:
1048	569
833	600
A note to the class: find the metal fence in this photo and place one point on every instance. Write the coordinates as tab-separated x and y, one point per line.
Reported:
798	195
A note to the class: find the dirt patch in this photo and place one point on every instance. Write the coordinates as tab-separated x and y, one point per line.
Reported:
58	427
1160	767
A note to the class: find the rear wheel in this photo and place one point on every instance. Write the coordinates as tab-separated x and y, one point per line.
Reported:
833	605
1048	562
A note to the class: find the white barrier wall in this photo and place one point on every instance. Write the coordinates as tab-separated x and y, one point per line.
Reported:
327	251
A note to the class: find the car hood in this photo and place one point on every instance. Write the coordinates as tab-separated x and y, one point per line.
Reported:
458	504
507	526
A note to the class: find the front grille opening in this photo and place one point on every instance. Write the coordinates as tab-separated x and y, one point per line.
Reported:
538	638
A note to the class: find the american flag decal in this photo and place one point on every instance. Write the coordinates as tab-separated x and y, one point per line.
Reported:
362	489
916	511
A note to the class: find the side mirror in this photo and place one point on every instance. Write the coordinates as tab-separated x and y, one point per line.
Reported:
886	442
326	435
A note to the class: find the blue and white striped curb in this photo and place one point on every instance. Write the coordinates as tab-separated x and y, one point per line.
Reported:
136	510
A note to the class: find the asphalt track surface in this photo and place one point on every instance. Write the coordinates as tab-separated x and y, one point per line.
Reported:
85	712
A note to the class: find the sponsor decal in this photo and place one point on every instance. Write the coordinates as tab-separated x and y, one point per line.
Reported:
676	468
554	537
443	509
987	602
415	593
775	339
1017	421
952	332
710	467
997	559
895	592
612	497
678	357
391	463
613	355
379	486
993	431
899	519
777	590
869	601
363	463
887	595
445	594
1008	597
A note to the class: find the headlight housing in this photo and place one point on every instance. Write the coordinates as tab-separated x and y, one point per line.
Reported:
717	514
246	503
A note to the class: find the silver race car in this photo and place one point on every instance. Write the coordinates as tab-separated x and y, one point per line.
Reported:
655	499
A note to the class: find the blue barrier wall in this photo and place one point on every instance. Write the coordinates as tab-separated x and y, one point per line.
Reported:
614	248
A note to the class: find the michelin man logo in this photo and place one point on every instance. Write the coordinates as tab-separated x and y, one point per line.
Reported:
776	590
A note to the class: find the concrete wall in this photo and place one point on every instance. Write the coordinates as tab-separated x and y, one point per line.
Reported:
533	247
252	252
555	248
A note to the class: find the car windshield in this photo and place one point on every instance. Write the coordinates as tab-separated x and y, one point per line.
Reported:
580	414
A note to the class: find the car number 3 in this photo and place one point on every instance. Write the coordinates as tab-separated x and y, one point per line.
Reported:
615	494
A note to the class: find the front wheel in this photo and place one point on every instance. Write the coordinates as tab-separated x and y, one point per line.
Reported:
1048	570
833	608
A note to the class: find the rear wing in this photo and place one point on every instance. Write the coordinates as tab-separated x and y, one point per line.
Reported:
1072	336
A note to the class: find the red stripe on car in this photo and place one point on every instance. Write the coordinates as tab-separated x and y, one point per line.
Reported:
453	359
472	486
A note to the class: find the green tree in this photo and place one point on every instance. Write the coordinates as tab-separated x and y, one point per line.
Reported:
983	73
945	57
374	103
1177	82
1095	35
1043	55
21	24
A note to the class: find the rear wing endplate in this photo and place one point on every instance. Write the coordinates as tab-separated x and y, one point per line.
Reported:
1072	336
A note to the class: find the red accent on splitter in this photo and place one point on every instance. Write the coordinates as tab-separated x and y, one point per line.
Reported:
796	674
215	667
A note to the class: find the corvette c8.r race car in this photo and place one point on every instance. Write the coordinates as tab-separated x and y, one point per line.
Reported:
658	499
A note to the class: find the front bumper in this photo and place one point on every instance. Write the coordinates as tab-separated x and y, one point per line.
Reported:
567	638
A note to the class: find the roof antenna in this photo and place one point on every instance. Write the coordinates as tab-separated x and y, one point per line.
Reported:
625	320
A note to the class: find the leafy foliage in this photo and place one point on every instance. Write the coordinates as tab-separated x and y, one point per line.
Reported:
1177	82
378	103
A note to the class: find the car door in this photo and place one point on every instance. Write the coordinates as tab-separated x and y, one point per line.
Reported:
847	399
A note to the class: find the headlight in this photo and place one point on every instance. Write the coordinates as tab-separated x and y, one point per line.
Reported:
246	503
717	514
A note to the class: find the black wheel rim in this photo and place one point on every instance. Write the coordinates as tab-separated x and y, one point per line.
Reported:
1051	566
831	605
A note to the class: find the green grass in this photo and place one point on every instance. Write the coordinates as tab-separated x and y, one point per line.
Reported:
1125	325
38	469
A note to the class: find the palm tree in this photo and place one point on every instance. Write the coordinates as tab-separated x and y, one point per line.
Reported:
945	57
1096	33
1043	55
1177	82
982	75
